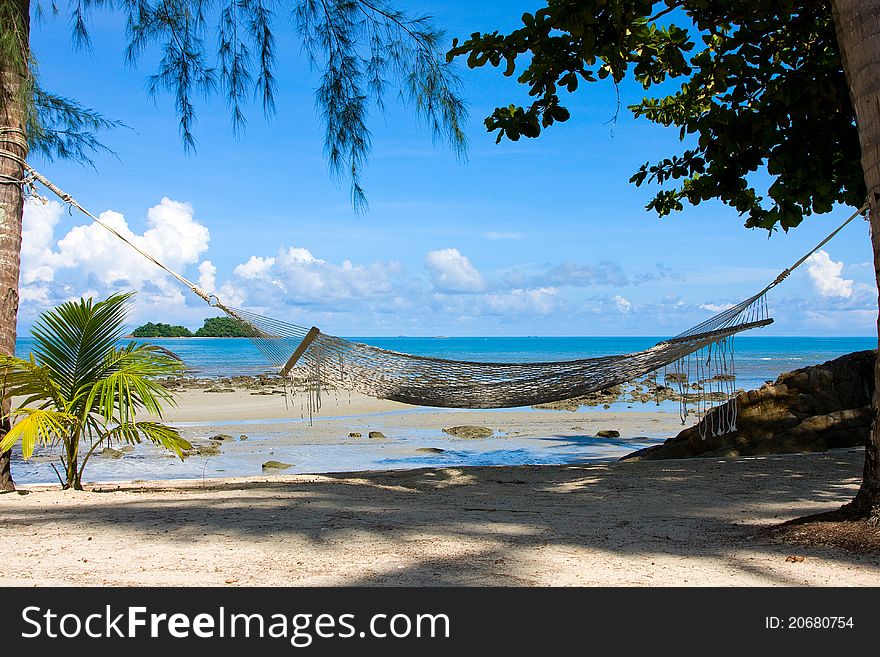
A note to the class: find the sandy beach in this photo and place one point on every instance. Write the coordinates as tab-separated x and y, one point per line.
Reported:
691	523
688	522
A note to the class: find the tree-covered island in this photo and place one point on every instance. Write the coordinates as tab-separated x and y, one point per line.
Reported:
214	327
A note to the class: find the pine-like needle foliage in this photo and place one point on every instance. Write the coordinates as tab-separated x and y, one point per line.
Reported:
359	48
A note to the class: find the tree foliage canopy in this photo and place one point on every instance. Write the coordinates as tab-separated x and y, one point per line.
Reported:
359	49
225	327
161	330
761	90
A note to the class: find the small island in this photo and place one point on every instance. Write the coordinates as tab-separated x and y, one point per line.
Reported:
214	327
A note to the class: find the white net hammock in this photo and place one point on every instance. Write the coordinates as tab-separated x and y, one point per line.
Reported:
319	361
701	358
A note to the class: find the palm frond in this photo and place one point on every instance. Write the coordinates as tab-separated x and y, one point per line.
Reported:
155	432
126	383
27	379
36	425
73	339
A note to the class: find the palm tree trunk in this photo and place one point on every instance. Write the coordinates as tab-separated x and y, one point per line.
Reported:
15	26
73	463
857	23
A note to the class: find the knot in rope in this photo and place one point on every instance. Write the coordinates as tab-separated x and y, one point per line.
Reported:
785	273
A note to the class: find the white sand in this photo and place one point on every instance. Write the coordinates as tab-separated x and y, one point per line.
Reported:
693	522
656	523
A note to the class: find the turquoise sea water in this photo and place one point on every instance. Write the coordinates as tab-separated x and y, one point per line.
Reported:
758	358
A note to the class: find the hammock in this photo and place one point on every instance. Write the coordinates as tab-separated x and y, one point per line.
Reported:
701	358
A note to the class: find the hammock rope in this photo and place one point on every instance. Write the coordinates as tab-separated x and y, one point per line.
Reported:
701	357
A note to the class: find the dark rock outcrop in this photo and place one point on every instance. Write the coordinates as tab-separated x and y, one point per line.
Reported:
276	465
469	432
808	410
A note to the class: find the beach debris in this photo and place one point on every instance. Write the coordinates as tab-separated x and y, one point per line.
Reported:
430	450
220	437
276	465
243	437
794	558
377	435
354	434
110	453
469	432
608	433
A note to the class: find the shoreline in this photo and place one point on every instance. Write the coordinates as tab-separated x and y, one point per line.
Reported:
238	424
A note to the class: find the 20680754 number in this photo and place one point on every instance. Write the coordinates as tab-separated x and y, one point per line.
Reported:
819	622
808	622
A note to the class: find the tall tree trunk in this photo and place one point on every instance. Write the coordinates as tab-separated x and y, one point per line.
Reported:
857	23
15	28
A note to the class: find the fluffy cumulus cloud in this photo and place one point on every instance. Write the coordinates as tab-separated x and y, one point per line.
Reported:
174	238
451	271
88	259
295	275
255	268
827	276
208	276
38	261
623	304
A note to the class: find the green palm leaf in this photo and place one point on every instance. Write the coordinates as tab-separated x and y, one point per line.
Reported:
77	383
37	425
126	383
24	378
73	339
155	432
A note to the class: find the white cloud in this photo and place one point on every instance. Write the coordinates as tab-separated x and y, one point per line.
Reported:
174	238
502	235
539	301
716	307
207	276
256	267
623	305
37	294
453	272
88	260
826	276
586	274
38	262
296	275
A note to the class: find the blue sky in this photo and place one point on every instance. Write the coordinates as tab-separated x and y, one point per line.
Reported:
538	237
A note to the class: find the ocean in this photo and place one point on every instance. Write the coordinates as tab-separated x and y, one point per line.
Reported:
758	358
289	439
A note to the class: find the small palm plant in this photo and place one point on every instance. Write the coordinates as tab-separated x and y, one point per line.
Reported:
78	386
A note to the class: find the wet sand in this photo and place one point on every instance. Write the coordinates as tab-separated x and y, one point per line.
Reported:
355	432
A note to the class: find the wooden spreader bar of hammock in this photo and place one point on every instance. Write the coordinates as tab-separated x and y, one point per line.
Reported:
300	350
